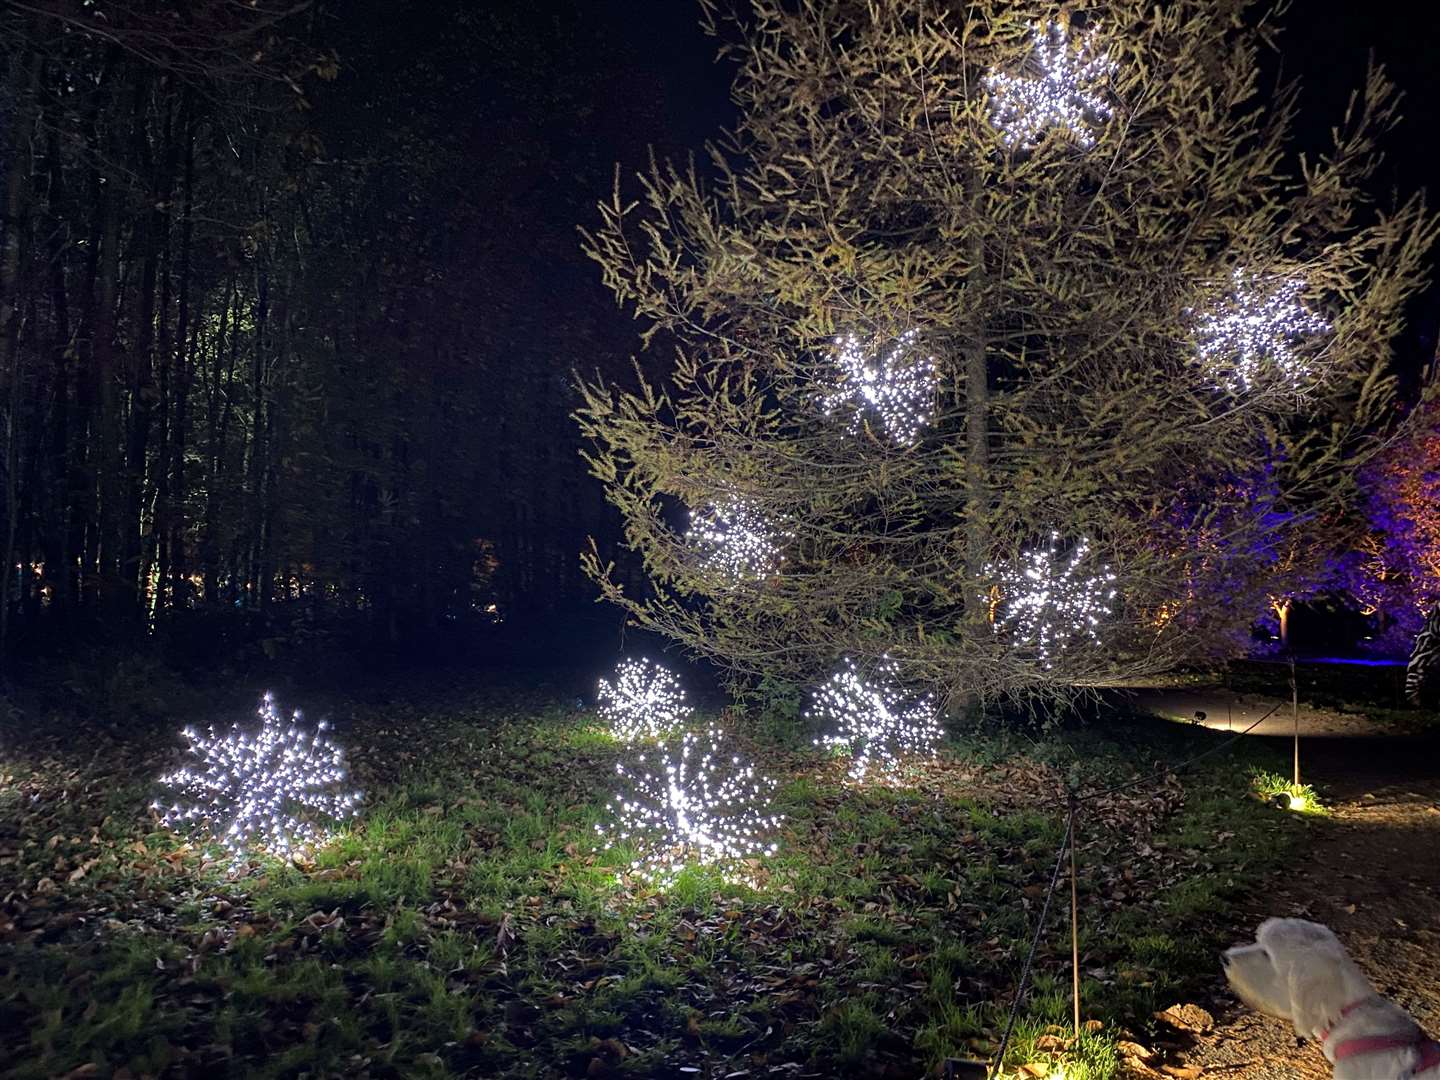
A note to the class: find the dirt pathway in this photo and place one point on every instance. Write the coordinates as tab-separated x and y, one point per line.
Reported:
1373	876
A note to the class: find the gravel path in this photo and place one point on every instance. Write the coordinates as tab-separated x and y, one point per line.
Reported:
1227	710
1372	874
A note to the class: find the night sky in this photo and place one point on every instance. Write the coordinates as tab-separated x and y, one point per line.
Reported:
655	81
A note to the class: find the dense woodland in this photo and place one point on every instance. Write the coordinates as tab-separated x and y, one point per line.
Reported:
270	363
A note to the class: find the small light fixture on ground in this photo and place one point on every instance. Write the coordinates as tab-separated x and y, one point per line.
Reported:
874	719
278	788
644	702
690	804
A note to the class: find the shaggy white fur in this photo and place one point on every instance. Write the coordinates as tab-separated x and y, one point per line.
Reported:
1299	971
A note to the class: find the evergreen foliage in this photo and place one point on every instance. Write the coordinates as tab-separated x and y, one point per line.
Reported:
1070	293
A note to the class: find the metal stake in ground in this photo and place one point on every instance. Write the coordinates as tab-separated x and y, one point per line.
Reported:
1074	920
1295	712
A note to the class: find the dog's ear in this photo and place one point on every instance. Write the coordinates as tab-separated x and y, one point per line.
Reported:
1314	983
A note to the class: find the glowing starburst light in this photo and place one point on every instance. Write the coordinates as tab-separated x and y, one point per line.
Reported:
1047	600
1256	333
278	788
644	702
895	387
735	541
692	804
1063	94
874	720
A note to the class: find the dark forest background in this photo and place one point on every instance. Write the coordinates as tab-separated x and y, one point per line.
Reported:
291	301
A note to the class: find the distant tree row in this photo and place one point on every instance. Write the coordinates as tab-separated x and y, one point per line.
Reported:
262	348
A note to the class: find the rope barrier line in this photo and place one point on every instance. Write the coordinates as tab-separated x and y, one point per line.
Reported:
1073	802
1174	770
1034	946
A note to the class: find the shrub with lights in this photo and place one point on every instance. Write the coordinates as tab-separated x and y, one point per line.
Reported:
279	788
691	804
645	701
874	720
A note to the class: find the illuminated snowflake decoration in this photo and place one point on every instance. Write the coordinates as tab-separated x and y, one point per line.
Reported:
692	805
279	788
1257	333
1048	599
735	541
874	720
644	702
1062	93
895	387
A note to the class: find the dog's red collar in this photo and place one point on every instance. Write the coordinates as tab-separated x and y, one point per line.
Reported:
1346	1011
1429	1049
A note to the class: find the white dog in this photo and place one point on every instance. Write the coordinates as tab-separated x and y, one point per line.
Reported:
1299	971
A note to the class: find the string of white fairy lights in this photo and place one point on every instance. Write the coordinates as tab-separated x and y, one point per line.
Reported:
278	788
1064	92
644	701
1258	333
874	719
1048	598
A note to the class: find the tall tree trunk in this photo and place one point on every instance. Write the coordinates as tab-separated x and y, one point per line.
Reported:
109	468
142	391
59	553
185	342
14	254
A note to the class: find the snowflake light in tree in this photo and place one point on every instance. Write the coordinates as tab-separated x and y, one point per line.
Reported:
735	541
1048	599
874	720
1063	92
1257	333
691	804
277	788
894	387
644	702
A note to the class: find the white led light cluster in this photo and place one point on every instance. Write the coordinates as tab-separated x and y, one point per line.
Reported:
691	804
735	541
874	720
1063	92
278	788
1046	600
894	387
1256	334
644	702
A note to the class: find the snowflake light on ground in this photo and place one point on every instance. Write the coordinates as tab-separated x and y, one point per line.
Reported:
874	720
1047	600
644	702
691	805
277	788
1062	94
895	387
735	541
1256	333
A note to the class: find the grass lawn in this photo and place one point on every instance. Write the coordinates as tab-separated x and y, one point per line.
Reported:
467	924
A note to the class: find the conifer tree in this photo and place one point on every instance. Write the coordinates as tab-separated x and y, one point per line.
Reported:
988	321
